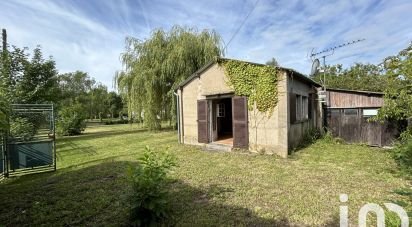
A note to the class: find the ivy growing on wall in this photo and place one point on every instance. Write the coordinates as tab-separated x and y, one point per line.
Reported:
257	82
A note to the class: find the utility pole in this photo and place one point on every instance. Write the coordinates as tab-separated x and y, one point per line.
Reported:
4	133
328	52
7	76
315	69
4	38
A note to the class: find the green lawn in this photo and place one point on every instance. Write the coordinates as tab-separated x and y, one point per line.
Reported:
208	188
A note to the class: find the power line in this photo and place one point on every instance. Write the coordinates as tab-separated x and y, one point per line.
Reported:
241	25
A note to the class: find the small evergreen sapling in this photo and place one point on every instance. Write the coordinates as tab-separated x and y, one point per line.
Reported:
149	197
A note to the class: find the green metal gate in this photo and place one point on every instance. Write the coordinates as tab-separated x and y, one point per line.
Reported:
30	145
3	145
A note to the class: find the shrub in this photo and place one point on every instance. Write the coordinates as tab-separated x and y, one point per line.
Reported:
311	135
149	197
330	139
405	136
108	122
4	113
403	151
22	128
392	219
116	121
71	120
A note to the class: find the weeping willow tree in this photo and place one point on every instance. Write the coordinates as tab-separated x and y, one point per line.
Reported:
153	68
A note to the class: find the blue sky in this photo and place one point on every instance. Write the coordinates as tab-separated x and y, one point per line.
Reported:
89	35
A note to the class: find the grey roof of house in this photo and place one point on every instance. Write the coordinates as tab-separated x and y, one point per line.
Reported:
208	65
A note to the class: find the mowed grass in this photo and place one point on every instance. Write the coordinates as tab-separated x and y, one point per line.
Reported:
207	188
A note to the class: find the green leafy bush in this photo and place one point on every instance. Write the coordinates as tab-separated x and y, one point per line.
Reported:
149	197
311	135
71	120
116	121
22	128
403	151
392	219
4	113
328	138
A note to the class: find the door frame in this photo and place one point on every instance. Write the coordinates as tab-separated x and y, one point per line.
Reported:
212	118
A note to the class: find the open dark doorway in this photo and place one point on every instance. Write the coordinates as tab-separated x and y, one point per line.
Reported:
223	121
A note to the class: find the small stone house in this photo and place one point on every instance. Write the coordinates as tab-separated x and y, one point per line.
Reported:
211	114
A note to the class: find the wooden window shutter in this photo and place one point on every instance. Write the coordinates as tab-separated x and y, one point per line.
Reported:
310	103
202	127
292	107
240	122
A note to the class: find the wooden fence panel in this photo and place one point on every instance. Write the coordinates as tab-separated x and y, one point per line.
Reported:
357	129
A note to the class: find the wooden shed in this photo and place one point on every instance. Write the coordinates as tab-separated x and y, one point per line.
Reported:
348	114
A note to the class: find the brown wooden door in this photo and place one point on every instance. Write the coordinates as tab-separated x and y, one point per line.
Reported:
202	122
355	128
350	128
371	132
334	121
240	122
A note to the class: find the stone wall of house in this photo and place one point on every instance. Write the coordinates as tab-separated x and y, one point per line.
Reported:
297	130
189	97
269	134
266	134
210	82
213	81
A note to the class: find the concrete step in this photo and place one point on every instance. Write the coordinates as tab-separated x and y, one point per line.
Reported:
218	147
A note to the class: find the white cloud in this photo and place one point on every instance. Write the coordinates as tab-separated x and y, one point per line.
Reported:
89	35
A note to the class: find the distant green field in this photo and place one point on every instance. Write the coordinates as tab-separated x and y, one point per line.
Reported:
207	188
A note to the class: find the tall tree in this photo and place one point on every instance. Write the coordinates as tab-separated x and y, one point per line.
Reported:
360	76
76	89
3	111
398	92
75	86
29	80
38	84
115	103
272	62
154	67
12	65
98	101
4	91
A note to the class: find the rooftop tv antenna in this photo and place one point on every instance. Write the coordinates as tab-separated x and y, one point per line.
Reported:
323	54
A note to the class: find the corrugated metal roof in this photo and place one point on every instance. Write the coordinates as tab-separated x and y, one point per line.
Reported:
355	91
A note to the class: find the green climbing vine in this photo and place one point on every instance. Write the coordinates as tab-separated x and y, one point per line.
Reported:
257	82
